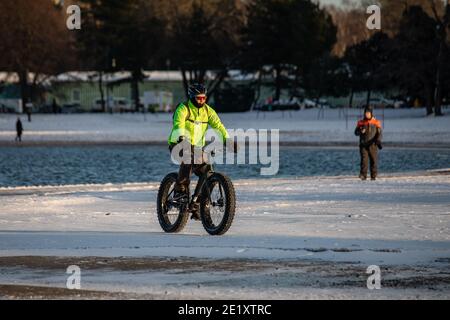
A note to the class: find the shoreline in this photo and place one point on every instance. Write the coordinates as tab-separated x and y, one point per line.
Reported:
157	143
153	185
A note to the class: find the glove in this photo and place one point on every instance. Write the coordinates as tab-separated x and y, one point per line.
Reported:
230	143
379	145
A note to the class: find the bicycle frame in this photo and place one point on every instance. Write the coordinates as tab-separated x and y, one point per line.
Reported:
215	209
203	179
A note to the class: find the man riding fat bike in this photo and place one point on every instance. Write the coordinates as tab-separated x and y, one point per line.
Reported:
190	123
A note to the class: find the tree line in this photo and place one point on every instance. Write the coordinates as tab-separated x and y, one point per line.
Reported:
296	47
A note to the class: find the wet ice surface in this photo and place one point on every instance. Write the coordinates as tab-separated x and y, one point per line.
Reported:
335	226
34	166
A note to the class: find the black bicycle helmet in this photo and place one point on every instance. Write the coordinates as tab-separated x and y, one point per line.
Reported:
195	90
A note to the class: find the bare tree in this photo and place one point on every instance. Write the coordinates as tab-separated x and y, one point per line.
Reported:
35	42
204	36
351	27
393	10
443	23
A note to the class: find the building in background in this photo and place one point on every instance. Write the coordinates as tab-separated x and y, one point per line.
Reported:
10	98
81	91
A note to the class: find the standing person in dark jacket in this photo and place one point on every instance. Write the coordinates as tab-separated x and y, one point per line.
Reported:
19	130
370	134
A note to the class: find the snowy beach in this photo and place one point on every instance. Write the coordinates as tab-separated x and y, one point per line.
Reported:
309	233
302	238
250	150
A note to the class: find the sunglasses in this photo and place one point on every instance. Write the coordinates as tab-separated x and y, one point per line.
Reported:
200	98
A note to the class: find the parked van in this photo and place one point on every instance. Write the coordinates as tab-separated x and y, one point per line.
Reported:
118	104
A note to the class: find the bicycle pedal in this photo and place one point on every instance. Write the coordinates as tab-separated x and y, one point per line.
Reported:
195	216
194	206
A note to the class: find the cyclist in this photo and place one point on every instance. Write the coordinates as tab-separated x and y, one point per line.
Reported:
190	123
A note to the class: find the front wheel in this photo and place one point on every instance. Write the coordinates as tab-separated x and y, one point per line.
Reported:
172	211
218	204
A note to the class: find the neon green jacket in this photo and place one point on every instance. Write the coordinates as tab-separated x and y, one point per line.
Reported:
192	123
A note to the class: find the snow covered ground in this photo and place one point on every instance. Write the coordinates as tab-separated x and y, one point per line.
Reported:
292	238
402	126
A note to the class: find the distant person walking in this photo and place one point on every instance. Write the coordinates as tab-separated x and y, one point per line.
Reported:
28	109
54	106
19	130
370	134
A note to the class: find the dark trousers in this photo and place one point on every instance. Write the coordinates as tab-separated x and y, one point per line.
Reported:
198	166
369	154
19	137
185	173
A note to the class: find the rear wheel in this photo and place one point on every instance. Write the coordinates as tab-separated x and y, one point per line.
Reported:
172	212
218	204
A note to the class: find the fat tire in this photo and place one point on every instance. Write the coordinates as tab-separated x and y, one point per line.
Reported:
230	206
163	192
